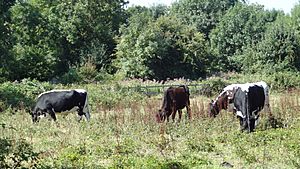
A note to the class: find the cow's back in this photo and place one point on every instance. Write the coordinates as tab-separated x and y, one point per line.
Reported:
181	97
58	100
178	95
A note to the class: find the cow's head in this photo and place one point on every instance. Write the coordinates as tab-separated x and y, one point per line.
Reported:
86	114
160	116
37	115
34	117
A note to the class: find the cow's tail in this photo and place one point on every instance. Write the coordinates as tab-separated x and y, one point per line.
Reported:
86	108
267	101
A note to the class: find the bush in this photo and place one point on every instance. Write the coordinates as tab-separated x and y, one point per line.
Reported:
212	87
17	154
73	157
277	81
21	94
72	76
87	73
285	80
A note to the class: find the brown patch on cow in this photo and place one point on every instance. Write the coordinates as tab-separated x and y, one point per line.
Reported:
221	103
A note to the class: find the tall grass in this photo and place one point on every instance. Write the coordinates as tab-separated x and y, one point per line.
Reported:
126	135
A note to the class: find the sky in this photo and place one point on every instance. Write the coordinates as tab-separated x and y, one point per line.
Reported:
285	5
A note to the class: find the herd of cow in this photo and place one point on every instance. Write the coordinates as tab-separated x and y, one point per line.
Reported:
246	100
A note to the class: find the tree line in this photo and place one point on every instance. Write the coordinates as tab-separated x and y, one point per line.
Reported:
73	40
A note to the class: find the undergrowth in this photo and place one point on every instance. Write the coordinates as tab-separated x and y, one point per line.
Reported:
123	132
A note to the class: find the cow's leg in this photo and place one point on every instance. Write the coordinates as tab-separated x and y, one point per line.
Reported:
252	124
173	110
243	123
173	115
80	113
34	117
52	114
179	114
188	109
79	118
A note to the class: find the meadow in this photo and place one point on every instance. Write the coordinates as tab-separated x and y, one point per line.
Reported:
123	133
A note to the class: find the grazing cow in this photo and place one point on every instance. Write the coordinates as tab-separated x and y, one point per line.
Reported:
216	106
226	97
59	101
175	98
248	102
233	94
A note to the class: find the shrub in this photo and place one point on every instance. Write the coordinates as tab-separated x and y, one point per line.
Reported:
72	76
212	86
72	157
21	94
284	80
278	81
17	154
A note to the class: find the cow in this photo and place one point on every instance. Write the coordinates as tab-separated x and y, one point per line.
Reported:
248	102
219	104
225	98
174	99
61	100
228	97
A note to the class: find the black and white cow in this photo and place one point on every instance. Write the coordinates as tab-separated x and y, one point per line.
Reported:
225	98
248	101
61	100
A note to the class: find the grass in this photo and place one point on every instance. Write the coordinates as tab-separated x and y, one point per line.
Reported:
127	136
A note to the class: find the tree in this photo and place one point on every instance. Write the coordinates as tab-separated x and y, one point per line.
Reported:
279	50
52	36
161	49
242	26
5	39
204	14
86	27
34	54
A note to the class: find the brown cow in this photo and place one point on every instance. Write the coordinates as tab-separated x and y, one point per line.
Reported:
175	98
220	103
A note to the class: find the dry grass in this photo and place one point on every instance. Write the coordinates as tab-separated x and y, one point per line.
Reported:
127	136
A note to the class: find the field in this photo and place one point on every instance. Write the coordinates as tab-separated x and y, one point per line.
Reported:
124	134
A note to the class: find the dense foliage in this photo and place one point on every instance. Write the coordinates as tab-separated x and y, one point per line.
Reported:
90	40
49	37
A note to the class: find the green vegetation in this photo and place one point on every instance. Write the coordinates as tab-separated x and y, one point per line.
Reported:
114	52
95	40
123	132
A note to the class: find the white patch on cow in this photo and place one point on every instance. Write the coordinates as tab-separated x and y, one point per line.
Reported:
86	103
62	90
239	113
51	91
256	121
80	90
245	87
231	87
42	116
